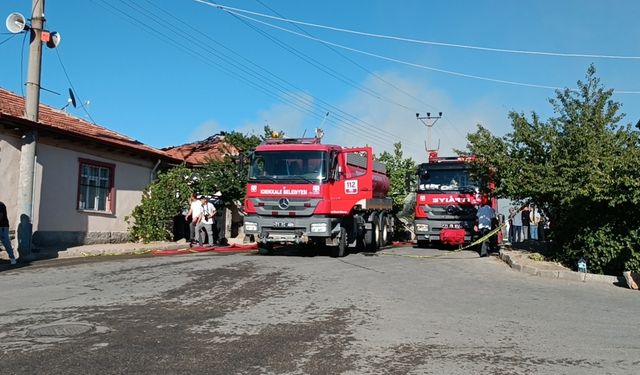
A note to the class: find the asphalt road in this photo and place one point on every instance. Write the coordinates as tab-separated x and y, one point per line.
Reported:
298	314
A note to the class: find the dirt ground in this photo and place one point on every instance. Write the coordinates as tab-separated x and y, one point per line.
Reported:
522	253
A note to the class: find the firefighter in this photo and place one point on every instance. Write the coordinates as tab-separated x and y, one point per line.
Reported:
485	222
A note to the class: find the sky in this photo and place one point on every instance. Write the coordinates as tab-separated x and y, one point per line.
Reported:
175	71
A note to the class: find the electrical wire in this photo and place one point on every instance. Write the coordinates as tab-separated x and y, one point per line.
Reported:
263	86
415	65
418	41
24	39
253	72
340	76
336	112
371	73
8	39
289	98
362	67
309	60
64	69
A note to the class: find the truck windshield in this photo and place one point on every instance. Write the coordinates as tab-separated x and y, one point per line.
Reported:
291	166
439	180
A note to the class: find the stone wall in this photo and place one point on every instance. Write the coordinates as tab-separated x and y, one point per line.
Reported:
66	239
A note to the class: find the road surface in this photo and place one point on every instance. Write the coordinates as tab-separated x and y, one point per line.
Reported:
293	313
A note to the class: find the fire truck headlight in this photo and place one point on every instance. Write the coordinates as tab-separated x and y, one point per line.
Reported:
318	227
250	227
422	227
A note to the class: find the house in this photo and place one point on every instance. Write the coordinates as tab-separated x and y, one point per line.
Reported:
197	154
87	178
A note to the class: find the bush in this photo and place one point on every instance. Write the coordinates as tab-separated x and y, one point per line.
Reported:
163	199
608	249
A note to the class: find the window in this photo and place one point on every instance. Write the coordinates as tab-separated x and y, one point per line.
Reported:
293	166
95	186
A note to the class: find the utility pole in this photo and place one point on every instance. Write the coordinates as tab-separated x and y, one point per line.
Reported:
429	121
30	137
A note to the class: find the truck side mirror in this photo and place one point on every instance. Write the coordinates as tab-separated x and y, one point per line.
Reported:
334	169
240	166
407	182
244	156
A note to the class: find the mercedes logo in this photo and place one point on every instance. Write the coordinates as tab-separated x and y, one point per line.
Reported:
283	203
451	210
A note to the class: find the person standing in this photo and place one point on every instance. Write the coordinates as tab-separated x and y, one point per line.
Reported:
206	221
517	226
510	230
541	227
485	218
525	223
4	233
534	219
193	216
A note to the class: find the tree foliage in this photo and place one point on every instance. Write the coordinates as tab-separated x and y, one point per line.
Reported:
229	175
399	169
167	196
152	219
581	167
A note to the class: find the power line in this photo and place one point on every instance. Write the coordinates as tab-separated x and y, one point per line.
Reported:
360	66
301	104
64	69
418	41
8	39
371	73
365	69
359	131
24	38
310	61
270	82
415	65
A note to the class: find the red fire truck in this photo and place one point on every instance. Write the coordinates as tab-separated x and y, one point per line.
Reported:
447	200
300	191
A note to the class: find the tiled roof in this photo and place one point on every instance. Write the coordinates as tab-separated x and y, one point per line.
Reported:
199	153
58	121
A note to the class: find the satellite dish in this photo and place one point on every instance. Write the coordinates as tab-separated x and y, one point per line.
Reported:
16	23
72	98
54	39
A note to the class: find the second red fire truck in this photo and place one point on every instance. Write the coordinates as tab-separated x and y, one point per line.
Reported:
447	200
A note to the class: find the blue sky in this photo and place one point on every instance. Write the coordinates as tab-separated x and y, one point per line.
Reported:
173	71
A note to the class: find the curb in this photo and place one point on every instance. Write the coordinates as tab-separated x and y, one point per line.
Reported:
562	275
126	248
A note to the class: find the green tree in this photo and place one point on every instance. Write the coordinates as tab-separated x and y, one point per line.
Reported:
399	169
165	197
229	175
581	166
162	200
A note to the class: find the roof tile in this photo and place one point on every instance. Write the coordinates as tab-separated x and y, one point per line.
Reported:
12	105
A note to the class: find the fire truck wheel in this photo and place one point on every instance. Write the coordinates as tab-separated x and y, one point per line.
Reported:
340	250
372	236
383	236
265	248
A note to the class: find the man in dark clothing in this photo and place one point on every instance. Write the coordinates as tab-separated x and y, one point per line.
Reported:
4	232
485	222
525	223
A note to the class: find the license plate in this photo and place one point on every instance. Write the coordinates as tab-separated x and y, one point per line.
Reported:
282	224
455	226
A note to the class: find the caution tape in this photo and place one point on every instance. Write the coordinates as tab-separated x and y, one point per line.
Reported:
474	243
